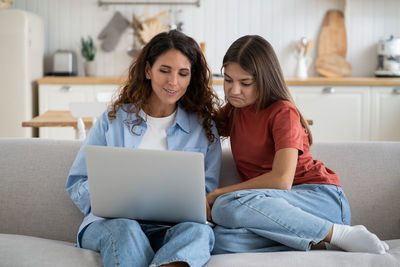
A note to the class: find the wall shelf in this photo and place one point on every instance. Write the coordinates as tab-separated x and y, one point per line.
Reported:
108	3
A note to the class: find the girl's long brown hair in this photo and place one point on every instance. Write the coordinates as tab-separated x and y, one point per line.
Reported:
256	56
199	97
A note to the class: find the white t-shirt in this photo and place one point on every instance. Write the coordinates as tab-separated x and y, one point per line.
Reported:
155	136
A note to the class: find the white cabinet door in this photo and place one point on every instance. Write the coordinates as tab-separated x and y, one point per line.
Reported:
58	97
339	113
385	114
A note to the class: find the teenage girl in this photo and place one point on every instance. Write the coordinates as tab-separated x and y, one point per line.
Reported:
286	200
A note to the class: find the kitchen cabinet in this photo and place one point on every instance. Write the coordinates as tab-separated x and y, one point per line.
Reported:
59	96
342	109
339	113
385	113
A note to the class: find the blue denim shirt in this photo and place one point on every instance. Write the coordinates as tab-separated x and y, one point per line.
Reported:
185	134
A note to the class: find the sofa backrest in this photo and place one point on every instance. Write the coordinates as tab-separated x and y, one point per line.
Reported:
33	199
33	173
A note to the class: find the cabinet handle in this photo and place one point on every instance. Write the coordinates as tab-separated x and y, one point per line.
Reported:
66	88
328	90
396	91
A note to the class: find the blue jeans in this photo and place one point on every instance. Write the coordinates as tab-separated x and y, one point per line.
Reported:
124	242
260	220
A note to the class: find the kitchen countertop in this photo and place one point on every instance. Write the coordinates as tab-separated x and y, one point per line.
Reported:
353	81
80	80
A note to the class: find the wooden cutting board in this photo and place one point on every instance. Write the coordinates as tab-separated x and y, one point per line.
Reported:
332	65
332	46
332	38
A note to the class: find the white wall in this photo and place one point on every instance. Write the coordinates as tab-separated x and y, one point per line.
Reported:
219	22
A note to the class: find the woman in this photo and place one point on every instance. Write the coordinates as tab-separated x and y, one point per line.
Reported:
286	200
166	104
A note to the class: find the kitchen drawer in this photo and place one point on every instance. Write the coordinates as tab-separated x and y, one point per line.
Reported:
58	97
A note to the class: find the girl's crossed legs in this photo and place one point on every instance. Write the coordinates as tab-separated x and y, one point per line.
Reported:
274	220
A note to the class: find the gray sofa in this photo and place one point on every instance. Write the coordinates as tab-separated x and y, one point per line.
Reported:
38	221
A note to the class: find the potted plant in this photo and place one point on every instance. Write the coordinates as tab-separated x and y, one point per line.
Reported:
88	51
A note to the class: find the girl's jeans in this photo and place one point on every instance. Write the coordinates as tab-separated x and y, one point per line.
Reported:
259	220
124	242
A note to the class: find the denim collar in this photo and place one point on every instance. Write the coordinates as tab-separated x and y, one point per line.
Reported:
182	119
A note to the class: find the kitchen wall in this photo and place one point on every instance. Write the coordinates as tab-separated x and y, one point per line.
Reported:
219	22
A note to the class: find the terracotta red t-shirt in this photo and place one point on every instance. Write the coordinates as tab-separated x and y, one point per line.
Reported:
257	135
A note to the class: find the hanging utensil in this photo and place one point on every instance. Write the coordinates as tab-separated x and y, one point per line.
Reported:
308	47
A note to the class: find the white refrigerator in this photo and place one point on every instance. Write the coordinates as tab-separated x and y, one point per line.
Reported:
21	64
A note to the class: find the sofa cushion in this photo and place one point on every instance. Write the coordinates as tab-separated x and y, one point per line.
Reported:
310	259
20	251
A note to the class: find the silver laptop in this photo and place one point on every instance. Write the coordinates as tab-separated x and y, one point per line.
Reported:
146	185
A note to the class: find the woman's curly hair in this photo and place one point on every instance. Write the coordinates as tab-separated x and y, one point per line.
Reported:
199	97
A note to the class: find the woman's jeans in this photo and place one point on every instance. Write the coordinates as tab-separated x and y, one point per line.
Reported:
124	242
259	220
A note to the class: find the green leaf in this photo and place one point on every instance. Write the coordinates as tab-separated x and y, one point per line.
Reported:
88	49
